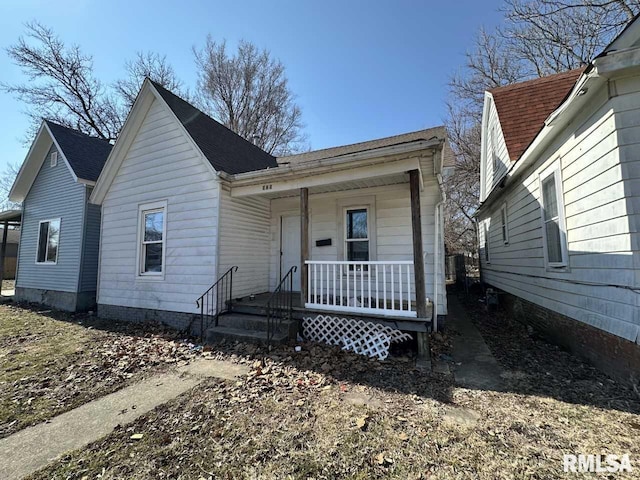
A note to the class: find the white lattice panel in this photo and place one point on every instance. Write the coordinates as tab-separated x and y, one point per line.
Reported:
365	338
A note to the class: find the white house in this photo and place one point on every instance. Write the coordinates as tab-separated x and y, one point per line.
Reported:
185	201
560	194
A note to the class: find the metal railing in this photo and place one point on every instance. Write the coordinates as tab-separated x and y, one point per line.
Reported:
280	304
216	301
376	287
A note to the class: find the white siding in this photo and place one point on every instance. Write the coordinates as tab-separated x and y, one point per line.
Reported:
599	234
494	146
244	241
392	238
162	164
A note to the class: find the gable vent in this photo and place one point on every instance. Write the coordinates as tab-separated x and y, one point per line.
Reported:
54	159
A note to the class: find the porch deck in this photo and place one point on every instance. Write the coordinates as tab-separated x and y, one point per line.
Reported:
258	305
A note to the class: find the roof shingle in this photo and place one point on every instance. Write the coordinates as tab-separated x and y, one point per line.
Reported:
523	107
86	154
226	150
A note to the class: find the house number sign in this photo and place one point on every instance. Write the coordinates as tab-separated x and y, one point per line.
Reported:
267	187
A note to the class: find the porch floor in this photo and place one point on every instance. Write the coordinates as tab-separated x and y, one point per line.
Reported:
258	305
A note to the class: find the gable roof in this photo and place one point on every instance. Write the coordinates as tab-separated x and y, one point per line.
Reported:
226	150
427	134
86	154
523	107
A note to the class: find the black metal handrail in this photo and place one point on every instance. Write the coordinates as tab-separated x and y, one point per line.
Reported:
280	304
216	301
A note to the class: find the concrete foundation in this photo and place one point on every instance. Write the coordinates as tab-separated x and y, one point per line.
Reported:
66	301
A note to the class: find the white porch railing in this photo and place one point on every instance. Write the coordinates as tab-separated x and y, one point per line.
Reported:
382	288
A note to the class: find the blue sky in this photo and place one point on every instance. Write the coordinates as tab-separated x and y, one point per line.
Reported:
360	69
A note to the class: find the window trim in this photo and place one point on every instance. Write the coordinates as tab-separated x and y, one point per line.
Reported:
47	262
504	224
345	233
53	159
144	209
554	170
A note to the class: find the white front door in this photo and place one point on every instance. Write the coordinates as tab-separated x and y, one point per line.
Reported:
290	247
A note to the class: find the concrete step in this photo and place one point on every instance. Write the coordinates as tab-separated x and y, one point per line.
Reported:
218	334
243	321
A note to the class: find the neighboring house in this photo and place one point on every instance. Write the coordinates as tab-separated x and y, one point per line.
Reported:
184	199
11	252
559	221
59	241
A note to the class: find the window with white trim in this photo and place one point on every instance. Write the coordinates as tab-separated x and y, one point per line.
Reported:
357	234
53	159
503	224
152	240
552	213
48	241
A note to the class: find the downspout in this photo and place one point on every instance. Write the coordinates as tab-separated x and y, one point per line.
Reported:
436	248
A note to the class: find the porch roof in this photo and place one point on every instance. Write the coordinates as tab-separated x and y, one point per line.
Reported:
372	167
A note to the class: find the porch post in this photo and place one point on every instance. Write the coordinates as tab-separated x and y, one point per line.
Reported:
3	251
418	257
304	243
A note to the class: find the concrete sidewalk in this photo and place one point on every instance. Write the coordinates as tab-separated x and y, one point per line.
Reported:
35	447
478	367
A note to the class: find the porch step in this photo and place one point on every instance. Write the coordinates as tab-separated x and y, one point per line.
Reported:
219	333
242	321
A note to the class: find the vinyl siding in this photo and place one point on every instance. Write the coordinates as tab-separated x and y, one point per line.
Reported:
162	164
494	146
599	234
89	271
244	241
392	237
54	194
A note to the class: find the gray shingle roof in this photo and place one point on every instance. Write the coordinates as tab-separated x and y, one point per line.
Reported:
427	134
226	150
86	154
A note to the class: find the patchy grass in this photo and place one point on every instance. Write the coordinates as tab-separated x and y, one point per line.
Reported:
51	362
325	414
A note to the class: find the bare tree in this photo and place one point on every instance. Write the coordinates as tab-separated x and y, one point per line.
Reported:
6	182
248	92
61	85
538	38
151	65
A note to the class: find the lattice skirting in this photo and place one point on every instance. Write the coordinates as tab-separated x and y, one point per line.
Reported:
365	338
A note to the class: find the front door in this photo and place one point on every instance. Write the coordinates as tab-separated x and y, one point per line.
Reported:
290	247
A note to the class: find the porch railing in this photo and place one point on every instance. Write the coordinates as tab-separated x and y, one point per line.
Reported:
216	301
280	304
382	288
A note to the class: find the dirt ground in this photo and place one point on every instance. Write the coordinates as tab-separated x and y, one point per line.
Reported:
323	413
51	362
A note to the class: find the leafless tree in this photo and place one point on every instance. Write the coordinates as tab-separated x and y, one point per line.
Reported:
248	92
6	182
61	85
144	65
538	38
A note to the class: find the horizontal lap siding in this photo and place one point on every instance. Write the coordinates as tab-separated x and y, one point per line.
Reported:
244	241
89	276
54	194
161	164
599	234
393	234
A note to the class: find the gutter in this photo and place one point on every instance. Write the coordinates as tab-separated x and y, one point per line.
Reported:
300	169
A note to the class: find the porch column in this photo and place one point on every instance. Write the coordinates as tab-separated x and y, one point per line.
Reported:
304	243
418	264
3	251
418	254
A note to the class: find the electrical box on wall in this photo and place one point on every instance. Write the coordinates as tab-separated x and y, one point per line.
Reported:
323	243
